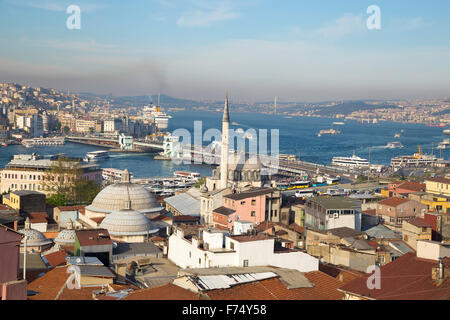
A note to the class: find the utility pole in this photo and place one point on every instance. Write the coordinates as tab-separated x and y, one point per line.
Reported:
25	259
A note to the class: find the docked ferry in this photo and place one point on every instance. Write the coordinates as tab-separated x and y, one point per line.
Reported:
416	160
95	156
43	142
350	162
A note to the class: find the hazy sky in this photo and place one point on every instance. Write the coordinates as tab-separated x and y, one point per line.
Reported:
256	49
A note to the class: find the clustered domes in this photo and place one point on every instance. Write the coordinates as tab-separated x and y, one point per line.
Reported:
66	236
113	197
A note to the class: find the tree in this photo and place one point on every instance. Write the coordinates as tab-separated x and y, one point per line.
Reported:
85	191
58	126
57	200
60	178
200	182
66	129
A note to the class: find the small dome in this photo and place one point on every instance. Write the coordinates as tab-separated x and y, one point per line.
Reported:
66	236
127	222
34	237
113	196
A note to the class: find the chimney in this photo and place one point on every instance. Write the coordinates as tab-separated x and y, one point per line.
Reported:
15	225
441	269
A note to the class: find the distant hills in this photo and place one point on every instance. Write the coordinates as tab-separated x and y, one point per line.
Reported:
351	106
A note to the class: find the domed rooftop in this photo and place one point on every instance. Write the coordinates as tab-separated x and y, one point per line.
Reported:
127	222
34	237
66	236
113	197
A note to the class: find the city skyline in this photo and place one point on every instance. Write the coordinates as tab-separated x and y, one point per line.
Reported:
198	49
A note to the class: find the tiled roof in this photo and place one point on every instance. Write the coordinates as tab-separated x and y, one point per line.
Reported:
93	237
393	202
418	222
325	288
250	193
182	218
224	211
71	208
57	258
414	186
165	292
344	232
38	217
406	278
49	285
439	179
245	238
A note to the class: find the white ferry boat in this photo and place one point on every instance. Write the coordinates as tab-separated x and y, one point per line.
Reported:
350	162
339	123
331	131
95	156
444	144
416	160
394	145
446	131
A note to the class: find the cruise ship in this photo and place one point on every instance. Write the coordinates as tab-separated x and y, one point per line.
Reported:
416	160
96	156
350	162
160	118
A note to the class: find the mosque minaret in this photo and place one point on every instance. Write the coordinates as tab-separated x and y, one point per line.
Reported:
225	137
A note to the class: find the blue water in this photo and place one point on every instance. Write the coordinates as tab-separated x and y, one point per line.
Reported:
297	136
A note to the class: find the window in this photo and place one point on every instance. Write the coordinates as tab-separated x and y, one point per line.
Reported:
253	202
245	263
242	202
253	213
232	245
381	259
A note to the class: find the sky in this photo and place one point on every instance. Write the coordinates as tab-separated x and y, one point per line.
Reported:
256	49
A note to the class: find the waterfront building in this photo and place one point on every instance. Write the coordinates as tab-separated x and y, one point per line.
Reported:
27	172
325	213
213	248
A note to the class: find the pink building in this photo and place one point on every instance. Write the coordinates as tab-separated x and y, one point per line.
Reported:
27	172
10	287
251	206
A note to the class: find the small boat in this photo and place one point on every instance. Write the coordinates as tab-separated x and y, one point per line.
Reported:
397	135
394	145
331	131
444	144
339	123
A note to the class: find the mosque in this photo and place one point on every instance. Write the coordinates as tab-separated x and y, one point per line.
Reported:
122	209
238	171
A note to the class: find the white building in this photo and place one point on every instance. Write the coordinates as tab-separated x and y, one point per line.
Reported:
216	249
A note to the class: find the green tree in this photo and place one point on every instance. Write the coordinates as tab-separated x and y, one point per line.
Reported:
66	129
60	178
85	191
58	126
200	182
57	200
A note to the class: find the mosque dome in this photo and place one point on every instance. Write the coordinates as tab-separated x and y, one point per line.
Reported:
34	237
242	161
114	196
127	222
66	236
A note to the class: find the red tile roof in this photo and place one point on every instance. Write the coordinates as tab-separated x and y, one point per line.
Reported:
71	208
439	179
38	217
325	288
393	202
156	239
412	186
57	258
93	237
418	222
372	212
98	220
406	278
165	292
245	238
49	285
